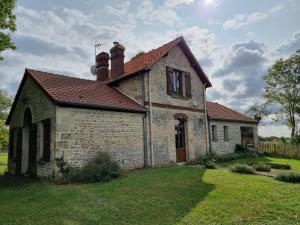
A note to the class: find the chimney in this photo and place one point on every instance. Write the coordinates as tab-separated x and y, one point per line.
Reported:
102	66
117	59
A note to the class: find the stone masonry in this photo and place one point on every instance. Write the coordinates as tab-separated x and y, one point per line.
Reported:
221	146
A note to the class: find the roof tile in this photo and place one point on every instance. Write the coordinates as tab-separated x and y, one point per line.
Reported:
220	112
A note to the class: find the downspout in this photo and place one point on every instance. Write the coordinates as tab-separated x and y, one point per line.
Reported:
206	120
150	119
209	136
144	121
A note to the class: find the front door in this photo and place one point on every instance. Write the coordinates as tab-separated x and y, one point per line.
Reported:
180	141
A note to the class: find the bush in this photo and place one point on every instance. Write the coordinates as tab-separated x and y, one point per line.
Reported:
223	158
289	177
262	167
242	168
240	148
210	165
101	169
279	166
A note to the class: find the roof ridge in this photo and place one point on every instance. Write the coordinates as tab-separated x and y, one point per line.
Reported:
154	49
60	75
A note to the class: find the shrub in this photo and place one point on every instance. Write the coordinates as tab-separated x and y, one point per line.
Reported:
262	167
240	148
101	169
279	166
289	177
242	168
210	165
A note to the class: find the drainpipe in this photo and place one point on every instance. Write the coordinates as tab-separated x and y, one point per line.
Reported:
209	136
206	123
144	120
150	119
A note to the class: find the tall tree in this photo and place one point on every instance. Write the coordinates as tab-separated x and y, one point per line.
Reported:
282	88
7	25
5	103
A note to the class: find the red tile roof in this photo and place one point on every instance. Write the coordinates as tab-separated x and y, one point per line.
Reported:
216	111
64	89
145	61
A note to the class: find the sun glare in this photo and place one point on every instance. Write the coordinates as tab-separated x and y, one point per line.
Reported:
208	2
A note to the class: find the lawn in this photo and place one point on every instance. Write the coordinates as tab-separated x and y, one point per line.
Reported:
3	162
173	195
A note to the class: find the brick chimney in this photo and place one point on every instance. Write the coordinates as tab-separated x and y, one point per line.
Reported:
117	59
102	66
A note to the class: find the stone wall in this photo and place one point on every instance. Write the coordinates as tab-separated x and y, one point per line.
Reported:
163	126
81	133
41	108
163	122
221	146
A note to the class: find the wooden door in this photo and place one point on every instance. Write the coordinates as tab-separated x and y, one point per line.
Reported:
180	141
32	150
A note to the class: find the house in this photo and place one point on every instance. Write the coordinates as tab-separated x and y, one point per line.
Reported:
150	111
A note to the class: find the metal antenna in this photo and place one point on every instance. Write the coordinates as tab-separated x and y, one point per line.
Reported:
97	45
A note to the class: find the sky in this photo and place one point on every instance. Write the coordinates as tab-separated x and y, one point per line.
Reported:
234	41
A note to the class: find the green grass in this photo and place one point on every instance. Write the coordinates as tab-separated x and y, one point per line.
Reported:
3	162
173	195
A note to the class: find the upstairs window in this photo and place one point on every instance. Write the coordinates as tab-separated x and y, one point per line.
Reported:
226	134
178	82
214	132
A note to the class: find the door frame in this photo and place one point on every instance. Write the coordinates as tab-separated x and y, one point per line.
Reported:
182	118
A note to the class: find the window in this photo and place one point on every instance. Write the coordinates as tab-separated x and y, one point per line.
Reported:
247	136
226	134
176	77
46	140
214	133
178	83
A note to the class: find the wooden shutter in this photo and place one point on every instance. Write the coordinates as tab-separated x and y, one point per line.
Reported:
11	144
46	152
188	90
169	81
19	150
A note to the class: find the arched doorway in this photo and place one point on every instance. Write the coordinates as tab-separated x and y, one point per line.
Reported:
29	145
180	140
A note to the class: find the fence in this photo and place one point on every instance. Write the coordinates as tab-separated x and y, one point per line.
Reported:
280	149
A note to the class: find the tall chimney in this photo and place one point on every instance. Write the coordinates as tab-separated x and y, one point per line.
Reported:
117	59
102	66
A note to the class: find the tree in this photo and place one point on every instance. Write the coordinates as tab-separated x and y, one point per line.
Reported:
282	88
5	103
138	54
7	25
258	111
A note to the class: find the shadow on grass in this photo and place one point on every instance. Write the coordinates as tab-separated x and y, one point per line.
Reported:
148	196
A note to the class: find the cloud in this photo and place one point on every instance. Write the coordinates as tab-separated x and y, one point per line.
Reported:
164	14
290	46
243	20
240	21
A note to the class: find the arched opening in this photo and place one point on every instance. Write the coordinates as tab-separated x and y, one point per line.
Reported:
180	139
29	144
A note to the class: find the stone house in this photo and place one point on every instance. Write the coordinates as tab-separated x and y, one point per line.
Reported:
150	111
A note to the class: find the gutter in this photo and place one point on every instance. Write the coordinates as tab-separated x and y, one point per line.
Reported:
207	133
144	122
94	106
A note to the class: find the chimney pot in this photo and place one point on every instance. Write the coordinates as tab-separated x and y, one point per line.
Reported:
102	66
117	59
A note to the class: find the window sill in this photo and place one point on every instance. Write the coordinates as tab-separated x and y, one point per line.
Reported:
226	139
215	140
179	96
41	162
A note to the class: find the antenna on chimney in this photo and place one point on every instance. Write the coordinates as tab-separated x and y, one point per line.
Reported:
97	45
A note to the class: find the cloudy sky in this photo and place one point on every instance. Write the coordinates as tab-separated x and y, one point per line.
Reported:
235	41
